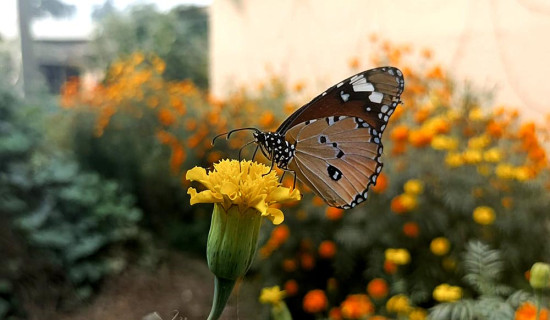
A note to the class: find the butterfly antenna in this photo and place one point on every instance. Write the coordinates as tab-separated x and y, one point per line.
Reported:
229	133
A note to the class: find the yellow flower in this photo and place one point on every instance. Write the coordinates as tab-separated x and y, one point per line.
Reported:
522	173
472	156
245	184
273	295
418	314
447	293
505	171
398	304
479	142
475	114
398	256
414	187
454	159
484	215
492	155
408	201
442	142
440	246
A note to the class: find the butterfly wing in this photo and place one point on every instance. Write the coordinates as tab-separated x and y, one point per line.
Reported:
336	157
338	135
371	95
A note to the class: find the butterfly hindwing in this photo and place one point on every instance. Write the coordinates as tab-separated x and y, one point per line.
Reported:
336	157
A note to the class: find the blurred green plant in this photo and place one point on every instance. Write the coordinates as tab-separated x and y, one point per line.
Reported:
63	229
179	37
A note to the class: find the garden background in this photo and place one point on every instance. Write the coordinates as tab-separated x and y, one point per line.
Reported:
95	216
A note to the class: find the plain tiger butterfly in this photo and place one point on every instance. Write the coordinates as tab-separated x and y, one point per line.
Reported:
333	144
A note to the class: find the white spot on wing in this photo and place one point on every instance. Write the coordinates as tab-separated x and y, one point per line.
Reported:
344	96
340	84
363	87
384	108
376	97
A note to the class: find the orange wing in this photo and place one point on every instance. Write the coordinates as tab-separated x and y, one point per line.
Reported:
337	157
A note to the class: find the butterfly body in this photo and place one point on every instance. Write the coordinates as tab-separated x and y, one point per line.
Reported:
334	143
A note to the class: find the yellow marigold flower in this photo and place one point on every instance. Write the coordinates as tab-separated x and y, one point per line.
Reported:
242	192
414	187
484	215
273	295
479	142
398	304
475	114
454	159
418	314
398	256
505	171
440	246
522	173
408	201
447	293
442	142
243	185
484	170
472	156
492	155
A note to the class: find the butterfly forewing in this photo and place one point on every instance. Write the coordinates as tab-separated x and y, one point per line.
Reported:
371	95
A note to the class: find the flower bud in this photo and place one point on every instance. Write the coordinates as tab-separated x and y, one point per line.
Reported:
540	276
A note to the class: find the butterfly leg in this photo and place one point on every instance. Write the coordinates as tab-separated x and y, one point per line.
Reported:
255	151
282	176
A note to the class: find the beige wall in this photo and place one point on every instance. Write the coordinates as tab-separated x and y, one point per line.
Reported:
501	44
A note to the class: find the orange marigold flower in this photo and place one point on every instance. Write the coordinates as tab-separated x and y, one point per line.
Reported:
420	138
333	213
390	267
166	117
177	158
353	63
494	129
307	261
356	306
421	115
528	311
299	86
381	183
400	133
335	314
280	234
507	202
435	73
267	119
289	265
403	203
315	301
398	148
327	249
411	229
377	288
291	287
427	53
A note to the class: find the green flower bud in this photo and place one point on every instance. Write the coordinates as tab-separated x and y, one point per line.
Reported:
230	249
232	241
540	276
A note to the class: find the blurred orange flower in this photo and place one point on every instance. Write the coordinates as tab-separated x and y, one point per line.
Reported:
390	267
400	133
327	249
420	138
289	265
356	306
528	311
411	229
291	287
166	117
377	288
333	213
381	183
307	261
315	301
280	234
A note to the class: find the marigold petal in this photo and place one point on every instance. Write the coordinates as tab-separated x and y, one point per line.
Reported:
198	174
206	196
282	195
275	215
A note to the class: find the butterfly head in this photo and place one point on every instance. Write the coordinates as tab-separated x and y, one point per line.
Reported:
275	147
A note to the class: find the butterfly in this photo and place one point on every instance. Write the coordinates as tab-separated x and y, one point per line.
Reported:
333	144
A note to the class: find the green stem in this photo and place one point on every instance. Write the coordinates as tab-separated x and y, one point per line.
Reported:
538	296
222	291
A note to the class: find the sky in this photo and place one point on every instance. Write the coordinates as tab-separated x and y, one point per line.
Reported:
79	25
